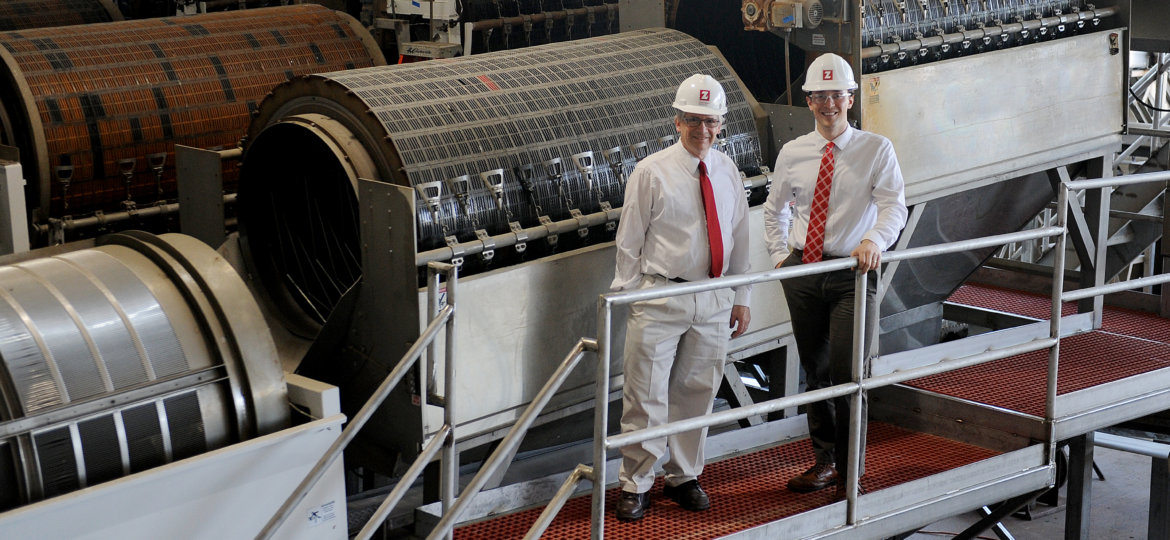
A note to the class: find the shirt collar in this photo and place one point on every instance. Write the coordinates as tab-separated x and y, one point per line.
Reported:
842	140
689	159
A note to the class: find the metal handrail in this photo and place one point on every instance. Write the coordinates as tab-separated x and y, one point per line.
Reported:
860	384
606	303
512	440
444	317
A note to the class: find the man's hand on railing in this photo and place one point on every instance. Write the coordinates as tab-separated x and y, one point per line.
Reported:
868	256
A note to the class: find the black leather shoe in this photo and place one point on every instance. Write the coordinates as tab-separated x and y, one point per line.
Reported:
819	476
632	506
688	495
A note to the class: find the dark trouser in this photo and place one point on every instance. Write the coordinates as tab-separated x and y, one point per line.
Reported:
821	307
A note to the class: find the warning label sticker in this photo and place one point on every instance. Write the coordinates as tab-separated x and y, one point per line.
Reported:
322	514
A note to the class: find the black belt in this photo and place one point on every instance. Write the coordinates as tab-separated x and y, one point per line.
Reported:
678	280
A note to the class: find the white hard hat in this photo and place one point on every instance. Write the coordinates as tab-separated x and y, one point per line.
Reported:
829	72
701	94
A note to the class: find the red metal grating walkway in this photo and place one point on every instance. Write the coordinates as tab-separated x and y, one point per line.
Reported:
746	491
1017	383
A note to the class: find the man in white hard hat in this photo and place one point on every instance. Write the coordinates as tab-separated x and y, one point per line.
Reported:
836	192
684	219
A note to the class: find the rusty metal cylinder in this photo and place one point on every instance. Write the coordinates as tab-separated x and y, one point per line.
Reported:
488	142
97	109
22	14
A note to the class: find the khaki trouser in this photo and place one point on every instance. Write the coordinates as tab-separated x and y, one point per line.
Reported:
674	355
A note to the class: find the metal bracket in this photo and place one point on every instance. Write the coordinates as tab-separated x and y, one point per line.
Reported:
582	231
610	226
614	157
547	223
489	245
456	250
430	193
556	171
640	150
521	236
459	187
494	180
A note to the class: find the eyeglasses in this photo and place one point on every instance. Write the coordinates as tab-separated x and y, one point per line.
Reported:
821	99
694	121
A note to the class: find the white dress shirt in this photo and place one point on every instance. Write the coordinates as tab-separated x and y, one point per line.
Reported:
867	200
663	230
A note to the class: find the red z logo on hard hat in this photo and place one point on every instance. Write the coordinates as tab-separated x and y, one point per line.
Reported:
704	95
827	75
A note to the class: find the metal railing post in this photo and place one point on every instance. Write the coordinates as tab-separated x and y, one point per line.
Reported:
449	476
601	416
856	421
1058	261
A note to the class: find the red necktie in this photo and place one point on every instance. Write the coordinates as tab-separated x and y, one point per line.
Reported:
714	236
814	241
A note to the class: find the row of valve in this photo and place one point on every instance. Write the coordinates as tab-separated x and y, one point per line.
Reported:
128	168
528	176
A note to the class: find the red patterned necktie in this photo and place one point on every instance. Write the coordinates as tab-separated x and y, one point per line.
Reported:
714	236
814	241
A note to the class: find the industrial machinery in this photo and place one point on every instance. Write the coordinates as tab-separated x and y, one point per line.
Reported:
444	28
977	98
97	109
133	354
512	164
22	14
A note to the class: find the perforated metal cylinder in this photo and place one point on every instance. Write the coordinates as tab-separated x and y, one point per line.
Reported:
126	356
485	141
21	14
97	109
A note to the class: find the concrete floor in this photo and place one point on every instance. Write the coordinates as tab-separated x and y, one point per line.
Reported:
1120	505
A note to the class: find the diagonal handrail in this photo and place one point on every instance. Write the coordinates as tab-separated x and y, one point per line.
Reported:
513	438
443	317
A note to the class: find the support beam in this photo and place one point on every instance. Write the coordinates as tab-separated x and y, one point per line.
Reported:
1080	482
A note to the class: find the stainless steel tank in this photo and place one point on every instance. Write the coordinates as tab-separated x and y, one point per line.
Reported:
133	354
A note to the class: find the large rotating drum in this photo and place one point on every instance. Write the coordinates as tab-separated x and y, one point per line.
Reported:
490	143
21	14
126	356
97	109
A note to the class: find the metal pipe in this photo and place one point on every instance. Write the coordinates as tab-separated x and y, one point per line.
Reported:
1062	202
601	417
355	424
988	31
436	443
1081	294
512	439
1115	181
1152	449
852	468
539	17
902	376
821	394
558	501
70	224
449	476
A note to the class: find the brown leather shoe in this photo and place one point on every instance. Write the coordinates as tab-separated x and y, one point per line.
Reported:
632	506
688	495
819	476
